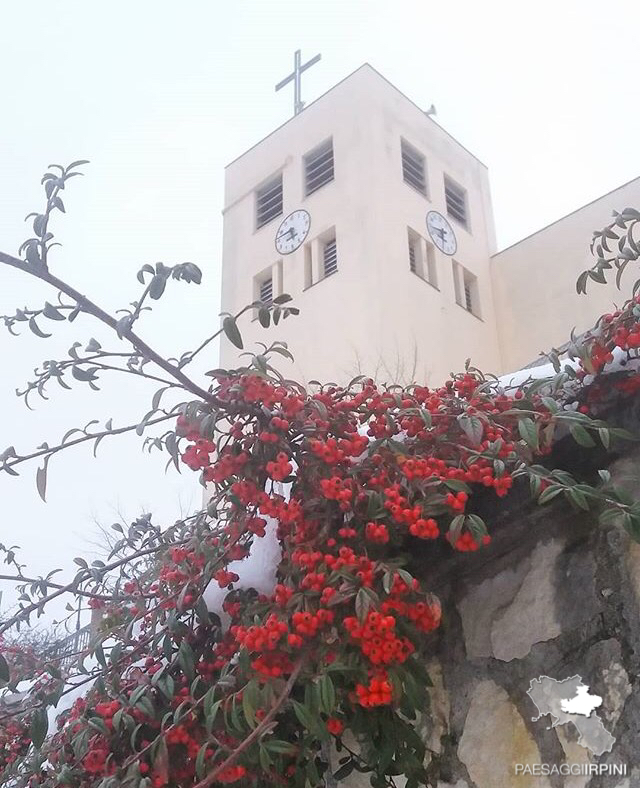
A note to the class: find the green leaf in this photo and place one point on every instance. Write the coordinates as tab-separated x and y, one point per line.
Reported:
235	716
117	719
304	716
200	760
578	498
85	375
609	516
202	612
387	582
39	727
456	485
5	673
77	163
161	760
231	331
51	312
137	694
265	761
167	647
157	286
455	527
99	654
619	432
405	576
247	708
477	527
605	438
279	747
472	427
41	481
33	255
529	433
36	329
415	693
344	771
362	604
39	224
535	483
549	493
146	269
631	524
327	694
186	659
264	317
145	705
211	712
581	436
551	405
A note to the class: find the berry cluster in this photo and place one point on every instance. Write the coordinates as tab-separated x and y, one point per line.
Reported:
376	532
377	692
377	639
279	468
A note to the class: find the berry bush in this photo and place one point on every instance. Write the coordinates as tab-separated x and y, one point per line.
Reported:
324	673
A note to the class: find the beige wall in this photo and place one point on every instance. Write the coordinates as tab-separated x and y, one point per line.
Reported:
373	315
534	281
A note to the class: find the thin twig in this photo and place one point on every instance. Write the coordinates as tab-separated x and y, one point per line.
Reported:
20	579
258	731
54	449
88	306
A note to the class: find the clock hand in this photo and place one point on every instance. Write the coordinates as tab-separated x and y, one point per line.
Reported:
285	232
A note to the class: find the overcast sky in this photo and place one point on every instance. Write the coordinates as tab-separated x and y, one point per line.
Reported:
161	95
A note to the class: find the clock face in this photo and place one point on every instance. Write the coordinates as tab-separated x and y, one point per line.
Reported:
441	232
292	231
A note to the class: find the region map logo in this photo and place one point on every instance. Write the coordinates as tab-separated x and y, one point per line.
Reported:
567	701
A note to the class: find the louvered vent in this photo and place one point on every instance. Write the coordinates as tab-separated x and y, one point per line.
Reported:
269	201
330	257
318	167
266	290
456	199
413	168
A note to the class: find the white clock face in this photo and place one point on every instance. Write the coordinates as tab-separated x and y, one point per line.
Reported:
441	232
292	231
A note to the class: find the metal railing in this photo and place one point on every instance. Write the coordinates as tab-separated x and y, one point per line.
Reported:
66	650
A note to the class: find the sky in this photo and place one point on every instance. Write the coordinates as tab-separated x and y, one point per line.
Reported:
159	96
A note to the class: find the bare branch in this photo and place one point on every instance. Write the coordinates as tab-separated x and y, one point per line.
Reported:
50	451
88	306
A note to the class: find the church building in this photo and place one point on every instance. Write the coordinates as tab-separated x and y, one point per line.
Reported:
379	224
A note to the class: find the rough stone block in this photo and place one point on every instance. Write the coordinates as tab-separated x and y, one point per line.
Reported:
495	739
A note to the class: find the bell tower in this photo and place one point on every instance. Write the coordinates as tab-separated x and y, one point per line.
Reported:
379	225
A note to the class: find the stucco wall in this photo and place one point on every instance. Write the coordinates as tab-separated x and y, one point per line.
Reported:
534	281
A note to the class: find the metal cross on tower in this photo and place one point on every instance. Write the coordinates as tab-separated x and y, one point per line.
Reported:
294	77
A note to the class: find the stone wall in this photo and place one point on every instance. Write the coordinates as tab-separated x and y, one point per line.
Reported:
557	595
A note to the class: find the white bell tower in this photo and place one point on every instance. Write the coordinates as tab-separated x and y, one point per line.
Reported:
378	224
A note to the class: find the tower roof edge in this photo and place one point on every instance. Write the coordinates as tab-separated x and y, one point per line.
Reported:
365	66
